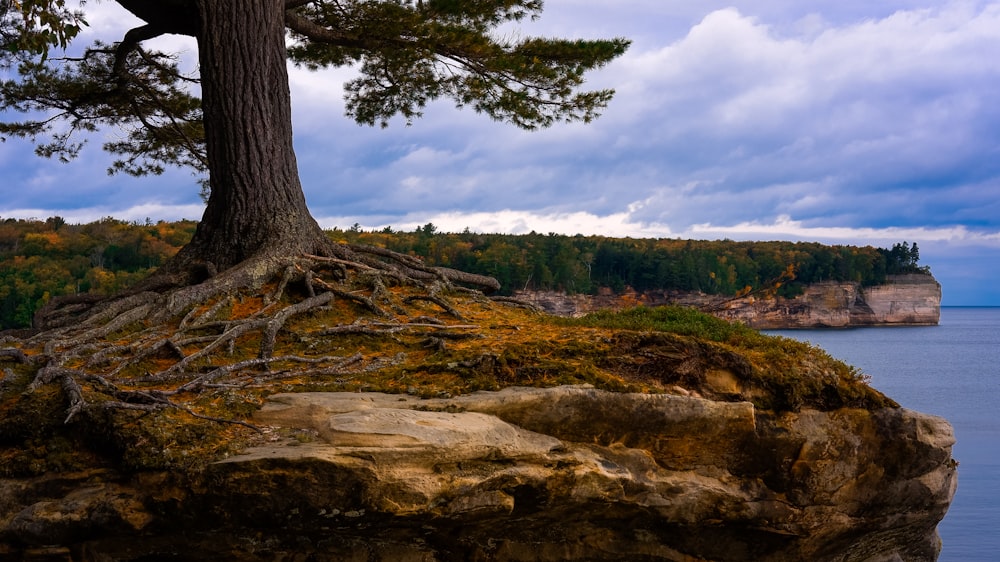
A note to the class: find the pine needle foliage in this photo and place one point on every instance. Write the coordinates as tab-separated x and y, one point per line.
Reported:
407	53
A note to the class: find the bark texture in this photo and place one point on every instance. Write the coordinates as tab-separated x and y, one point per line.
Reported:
256	207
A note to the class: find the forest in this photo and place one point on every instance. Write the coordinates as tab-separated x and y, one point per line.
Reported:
585	264
43	259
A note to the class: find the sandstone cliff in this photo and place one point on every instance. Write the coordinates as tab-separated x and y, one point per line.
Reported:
913	299
567	473
659	434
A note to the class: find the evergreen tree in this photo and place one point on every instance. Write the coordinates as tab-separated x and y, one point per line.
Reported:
408	52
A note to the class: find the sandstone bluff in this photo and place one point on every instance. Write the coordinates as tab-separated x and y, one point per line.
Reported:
904	300
561	473
426	423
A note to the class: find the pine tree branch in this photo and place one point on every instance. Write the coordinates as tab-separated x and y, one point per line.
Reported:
315	32
173	16
128	45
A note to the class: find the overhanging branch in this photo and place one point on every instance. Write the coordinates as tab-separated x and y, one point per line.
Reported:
171	16
292	4
130	43
315	32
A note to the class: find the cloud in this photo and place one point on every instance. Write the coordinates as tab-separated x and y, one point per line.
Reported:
510	221
841	120
887	121
784	227
824	112
137	213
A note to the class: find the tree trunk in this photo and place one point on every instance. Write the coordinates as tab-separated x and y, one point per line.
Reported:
256	207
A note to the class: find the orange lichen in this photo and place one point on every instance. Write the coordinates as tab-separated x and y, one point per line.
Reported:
392	343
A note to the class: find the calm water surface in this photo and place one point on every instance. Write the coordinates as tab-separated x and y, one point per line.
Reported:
951	370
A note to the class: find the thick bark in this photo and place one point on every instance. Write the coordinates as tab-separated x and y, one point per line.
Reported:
256	207
256	217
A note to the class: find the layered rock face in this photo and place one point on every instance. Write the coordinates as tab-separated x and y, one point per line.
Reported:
566	473
910	300
906	300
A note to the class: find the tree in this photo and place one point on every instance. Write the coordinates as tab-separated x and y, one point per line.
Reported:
256	239
408	52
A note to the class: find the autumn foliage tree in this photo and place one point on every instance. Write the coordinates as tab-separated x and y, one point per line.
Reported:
41	260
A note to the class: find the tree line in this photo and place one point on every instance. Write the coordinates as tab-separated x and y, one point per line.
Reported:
42	259
586	264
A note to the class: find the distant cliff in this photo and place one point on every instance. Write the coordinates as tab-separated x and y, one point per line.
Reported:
904	300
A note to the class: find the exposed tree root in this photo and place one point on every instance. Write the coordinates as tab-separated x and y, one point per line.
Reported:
516	302
15	354
159	350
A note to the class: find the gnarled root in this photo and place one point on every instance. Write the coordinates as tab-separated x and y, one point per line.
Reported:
157	350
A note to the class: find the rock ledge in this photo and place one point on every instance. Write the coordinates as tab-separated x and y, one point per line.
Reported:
566	473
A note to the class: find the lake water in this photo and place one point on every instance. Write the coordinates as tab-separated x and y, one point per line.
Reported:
951	370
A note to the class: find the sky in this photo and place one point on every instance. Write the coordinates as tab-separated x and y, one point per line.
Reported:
837	121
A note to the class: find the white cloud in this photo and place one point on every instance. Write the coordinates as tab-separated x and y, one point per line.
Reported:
784	227
509	221
939	244
836	119
136	213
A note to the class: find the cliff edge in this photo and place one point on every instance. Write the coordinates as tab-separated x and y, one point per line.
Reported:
496	434
904	300
575	473
565	473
